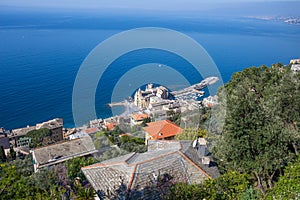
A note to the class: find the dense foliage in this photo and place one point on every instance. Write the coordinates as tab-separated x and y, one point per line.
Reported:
130	142
40	137
18	181
74	167
288	186
191	134
261	131
232	185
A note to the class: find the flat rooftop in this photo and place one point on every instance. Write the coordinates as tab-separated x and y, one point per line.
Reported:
61	152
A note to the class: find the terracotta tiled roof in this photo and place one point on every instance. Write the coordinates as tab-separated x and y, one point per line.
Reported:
131	174
110	126
91	130
162	129
139	117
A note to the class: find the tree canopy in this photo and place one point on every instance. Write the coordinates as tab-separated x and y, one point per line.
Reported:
261	130
288	186
40	137
191	134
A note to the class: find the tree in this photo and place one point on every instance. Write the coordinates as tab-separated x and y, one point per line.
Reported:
17	181
12	153
74	167
288	186
175	117
40	137
231	185
85	193
255	138
2	155
191	134
8	178
145	121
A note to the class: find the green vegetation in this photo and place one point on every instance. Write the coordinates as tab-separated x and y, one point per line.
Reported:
41	137
261	131
174	117
288	186
19	182
2	155
260	136
74	167
191	134
145	121
100	140
85	193
232	185
127	142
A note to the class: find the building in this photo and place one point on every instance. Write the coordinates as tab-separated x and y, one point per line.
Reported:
81	133
96	123
138	118
131	176
142	98
67	132
22	131
23	142
295	61
295	68
110	126
54	125
92	130
110	123
56	128
17	134
77	135
210	101
4	144
60	152
2	130
295	65
161	130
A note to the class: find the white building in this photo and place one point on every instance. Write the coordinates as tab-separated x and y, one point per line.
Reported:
295	65
143	98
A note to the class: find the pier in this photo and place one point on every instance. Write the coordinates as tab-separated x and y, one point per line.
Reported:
122	103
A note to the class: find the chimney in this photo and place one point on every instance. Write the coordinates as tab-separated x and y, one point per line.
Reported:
202	141
205	160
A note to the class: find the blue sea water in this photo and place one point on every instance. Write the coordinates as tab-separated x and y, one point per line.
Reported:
41	55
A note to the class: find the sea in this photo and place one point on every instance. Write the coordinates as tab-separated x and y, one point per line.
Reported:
40	55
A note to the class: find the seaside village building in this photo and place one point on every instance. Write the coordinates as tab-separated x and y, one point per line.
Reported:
210	101
134	175
161	130
142	98
56	153
138	118
55	126
295	65
18	136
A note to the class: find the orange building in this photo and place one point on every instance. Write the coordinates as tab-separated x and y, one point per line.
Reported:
161	130
137	118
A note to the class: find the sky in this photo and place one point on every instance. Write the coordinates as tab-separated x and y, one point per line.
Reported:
123	4
180	7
